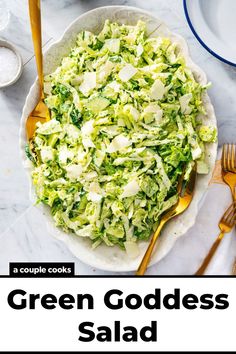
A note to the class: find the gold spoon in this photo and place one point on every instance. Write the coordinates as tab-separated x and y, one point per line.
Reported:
40	112
185	198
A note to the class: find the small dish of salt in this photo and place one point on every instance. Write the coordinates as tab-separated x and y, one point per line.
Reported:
10	64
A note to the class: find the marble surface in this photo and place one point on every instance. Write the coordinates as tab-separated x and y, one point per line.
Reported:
23	233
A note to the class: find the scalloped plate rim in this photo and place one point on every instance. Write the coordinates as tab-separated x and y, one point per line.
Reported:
22	139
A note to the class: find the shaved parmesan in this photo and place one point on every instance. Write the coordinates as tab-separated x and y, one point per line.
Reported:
133	111
87	142
72	131
151	108
115	86
65	154
127	72
152	113
89	83
119	161
95	193
46	153
81	155
118	143
99	156
94	197
139	49
74	171
158	116
86	131
91	175
196	153
95	187
113	45
105	70
157	90
184	103
87	128
131	189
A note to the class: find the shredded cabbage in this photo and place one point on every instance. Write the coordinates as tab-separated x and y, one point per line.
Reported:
124	121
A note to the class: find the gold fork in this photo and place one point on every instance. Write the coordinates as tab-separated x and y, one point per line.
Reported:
228	168
185	192
40	112
228	164
226	224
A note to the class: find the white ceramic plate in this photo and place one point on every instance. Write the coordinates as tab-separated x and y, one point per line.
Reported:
103	257
213	23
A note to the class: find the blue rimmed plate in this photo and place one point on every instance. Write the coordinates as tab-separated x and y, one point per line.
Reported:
213	23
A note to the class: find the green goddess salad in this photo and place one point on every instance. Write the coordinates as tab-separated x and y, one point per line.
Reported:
124	122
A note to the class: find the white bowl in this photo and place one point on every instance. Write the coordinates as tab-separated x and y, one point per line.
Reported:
104	257
10	46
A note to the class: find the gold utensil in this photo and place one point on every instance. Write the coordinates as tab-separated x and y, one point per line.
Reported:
40	112
226	224
185	191
228	164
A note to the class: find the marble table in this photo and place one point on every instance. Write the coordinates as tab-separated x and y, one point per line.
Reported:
23	233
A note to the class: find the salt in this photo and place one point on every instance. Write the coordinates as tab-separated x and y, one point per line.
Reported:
8	65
